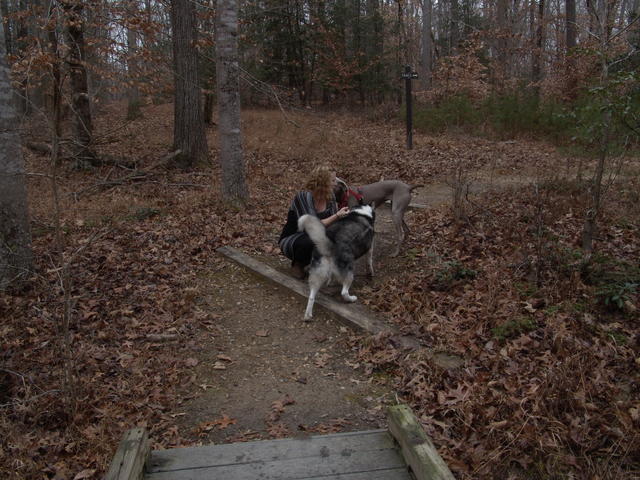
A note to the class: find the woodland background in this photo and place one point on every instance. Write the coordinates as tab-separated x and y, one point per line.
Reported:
117	110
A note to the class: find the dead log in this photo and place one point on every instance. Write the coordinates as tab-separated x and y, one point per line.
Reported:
41	148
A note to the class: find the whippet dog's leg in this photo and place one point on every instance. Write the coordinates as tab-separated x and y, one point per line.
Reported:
370	257
399	204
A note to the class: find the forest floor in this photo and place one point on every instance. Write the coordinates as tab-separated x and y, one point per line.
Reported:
166	333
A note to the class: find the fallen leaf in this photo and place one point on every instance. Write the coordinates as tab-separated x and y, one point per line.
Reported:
191	362
87	473
224	421
262	333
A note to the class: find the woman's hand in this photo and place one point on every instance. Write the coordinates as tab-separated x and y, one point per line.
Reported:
343	212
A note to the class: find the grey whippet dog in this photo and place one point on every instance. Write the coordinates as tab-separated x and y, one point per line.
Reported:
377	193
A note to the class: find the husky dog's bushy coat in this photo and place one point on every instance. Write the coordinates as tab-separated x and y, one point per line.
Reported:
337	247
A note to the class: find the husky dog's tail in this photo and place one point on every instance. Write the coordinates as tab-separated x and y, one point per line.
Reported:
316	231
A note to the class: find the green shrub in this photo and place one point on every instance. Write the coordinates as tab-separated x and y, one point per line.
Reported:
514	328
521	113
449	273
575	125
142	213
616	281
457	111
614	295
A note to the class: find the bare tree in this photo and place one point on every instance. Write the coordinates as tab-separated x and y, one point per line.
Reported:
501	45
188	129
234	188
570	11
133	106
536	68
595	184
80	102
427	48
15	237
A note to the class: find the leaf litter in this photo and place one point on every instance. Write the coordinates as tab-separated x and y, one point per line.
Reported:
548	390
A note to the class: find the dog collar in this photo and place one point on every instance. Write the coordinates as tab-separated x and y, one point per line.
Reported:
350	193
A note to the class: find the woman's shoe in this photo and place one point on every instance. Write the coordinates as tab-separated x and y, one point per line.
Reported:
298	271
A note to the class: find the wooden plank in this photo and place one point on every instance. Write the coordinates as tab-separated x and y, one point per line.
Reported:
323	464
344	444
401	473
345	312
129	461
417	448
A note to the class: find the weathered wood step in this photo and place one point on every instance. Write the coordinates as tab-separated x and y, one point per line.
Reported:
369	454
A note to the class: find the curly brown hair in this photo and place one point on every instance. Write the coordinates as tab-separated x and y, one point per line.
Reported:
320	181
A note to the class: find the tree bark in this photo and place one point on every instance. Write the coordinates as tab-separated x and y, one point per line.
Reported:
570	11
234	189
56	75
188	129
80	103
536	69
595	186
15	237
454	29
4	11
634	31
133	106
501	44
425	40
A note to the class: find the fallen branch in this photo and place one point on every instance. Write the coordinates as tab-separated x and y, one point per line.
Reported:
41	148
135	175
162	337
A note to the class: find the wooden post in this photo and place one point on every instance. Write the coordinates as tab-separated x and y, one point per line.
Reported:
408	75
129	461
417	449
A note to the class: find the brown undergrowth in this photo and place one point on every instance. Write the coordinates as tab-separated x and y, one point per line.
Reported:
549	384
549	388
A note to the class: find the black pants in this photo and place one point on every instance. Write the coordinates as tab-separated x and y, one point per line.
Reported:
302	249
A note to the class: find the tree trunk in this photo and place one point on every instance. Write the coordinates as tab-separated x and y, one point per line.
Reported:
427	14
401	59
502	72
536	69
209	73
595	186
15	238
22	39
234	189
56	75
134	104
188	129
454	30
80	103
634	31
570	10
4	11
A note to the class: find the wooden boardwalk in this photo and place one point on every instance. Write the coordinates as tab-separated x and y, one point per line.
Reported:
369	455
403	452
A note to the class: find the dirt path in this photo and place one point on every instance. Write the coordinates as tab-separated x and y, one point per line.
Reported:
263	372
270	356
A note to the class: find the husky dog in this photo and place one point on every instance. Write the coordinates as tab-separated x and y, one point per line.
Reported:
336	249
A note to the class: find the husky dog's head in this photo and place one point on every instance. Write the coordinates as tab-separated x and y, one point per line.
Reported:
365	210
